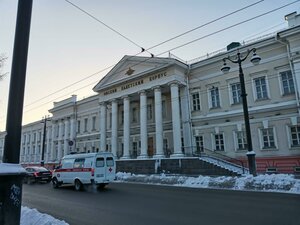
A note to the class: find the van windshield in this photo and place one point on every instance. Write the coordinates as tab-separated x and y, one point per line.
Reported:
109	161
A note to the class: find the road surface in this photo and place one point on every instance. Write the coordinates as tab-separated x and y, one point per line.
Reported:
140	204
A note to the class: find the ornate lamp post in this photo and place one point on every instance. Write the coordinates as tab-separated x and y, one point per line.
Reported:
255	59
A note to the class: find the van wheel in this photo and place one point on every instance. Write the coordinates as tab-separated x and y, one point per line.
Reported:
101	186
55	183
78	185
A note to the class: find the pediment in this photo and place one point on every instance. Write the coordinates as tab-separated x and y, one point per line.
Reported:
130	67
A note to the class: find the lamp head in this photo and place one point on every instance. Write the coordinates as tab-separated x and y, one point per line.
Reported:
225	69
255	59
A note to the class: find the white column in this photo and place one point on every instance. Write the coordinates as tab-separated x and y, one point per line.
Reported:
53	156
143	125
47	150
66	137
60	132
158	124
114	127
126	130
186	121
31	147
37	149
176	121
72	133
103	127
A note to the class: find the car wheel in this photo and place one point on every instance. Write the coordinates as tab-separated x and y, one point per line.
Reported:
55	183
78	185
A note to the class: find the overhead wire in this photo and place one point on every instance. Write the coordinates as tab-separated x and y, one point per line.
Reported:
268	12
222	17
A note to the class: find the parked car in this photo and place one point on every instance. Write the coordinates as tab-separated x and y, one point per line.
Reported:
36	174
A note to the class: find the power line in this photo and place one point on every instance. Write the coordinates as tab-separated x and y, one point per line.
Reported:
222	17
104	24
174	47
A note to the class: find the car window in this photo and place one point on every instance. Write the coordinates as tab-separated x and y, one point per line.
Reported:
109	161
41	169
100	162
79	163
67	163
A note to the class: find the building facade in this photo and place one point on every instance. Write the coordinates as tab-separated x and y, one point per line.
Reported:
163	107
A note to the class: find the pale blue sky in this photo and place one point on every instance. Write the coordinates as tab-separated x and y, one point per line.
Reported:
67	45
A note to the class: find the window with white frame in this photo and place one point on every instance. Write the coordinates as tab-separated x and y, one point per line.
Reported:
214	97
261	88
268	138
199	144
295	135
196	101
287	82
241	140
236	93
219	142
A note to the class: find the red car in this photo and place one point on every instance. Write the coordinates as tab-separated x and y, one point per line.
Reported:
36	174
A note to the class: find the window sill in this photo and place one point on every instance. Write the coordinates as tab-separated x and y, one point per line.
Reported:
288	94
269	149
262	99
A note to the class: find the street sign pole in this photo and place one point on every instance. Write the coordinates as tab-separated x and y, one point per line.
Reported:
10	202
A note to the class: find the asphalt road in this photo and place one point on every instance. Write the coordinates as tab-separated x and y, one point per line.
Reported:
130	204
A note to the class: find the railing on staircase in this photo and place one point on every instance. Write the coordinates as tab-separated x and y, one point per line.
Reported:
218	156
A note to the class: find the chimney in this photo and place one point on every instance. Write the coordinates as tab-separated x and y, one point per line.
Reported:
293	19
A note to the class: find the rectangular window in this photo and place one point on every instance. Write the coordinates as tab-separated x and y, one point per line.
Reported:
109	161
215	98
164	109
100	162
85	124
199	144
261	88
94	123
236	93
79	163
122	117
134	115
196	101
149	112
287	82
295	135
241	140
268	138
219	142
78	126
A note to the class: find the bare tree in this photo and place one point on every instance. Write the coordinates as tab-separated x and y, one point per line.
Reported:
3	58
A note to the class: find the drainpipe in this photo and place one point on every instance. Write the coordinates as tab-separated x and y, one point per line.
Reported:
288	49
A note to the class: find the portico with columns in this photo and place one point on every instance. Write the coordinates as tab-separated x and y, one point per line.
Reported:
143	96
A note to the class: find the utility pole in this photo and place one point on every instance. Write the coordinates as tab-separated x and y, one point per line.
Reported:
11	184
44	121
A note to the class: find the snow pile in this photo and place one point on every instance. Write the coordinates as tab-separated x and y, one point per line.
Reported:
33	217
273	182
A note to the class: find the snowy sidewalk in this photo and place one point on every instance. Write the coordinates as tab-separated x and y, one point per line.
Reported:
272	183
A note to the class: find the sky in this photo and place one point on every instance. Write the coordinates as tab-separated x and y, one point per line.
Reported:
69	52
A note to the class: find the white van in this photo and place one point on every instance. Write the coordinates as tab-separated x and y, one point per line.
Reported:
87	168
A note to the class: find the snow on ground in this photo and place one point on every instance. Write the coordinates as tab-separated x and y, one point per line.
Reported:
272	183
33	217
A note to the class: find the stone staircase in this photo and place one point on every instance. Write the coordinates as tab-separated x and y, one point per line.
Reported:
205	165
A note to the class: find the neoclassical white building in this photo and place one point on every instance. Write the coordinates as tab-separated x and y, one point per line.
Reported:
149	107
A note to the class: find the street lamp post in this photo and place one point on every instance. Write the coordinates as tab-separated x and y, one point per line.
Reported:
44	121
255	59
